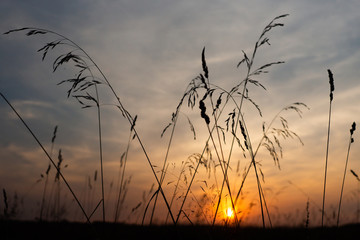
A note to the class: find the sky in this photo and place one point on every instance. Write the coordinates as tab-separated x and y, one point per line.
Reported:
150	50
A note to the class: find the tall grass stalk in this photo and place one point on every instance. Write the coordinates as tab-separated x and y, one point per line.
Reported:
48	156
100	152
358	193
42	206
81	63
221	159
351	140
163	172
47	174
121	195
57	202
332	88
92	191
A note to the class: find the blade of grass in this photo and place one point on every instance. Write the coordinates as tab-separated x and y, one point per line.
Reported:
48	156
351	140
332	88
100	153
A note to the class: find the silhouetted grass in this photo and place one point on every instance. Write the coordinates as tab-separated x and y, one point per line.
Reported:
235	123
212	103
43	201
332	88
80	85
351	140
48	156
86	79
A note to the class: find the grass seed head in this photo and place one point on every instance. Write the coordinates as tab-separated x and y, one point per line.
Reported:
203	112
331	81
54	134
204	66
353	128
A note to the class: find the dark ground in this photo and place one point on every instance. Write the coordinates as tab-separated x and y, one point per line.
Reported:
66	230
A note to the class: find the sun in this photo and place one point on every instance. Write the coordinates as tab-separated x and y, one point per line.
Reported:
229	213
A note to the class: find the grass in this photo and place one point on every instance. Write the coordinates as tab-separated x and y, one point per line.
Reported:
224	116
351	140
48	156
42	206
332	88
236	120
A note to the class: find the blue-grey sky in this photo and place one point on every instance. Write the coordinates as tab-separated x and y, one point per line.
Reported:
150	50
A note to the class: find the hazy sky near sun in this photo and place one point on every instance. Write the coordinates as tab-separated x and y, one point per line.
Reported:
150	50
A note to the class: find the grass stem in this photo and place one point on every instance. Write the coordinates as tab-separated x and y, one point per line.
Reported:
48	156
351	140
331	81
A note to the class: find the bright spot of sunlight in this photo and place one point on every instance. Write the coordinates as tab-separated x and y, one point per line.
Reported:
229	213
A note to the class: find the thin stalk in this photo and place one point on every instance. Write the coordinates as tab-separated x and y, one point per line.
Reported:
266	207
342	186
101	153
57	203
346	163
226	179
229	157
253	155
190	184
44	193
258	147
260	195
48	156
175	189
163	172
130	119
332	88
249	63
203	151
326	163
47	174
198	164
222	159
117	210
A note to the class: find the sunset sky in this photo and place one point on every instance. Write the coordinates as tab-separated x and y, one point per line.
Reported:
150	50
